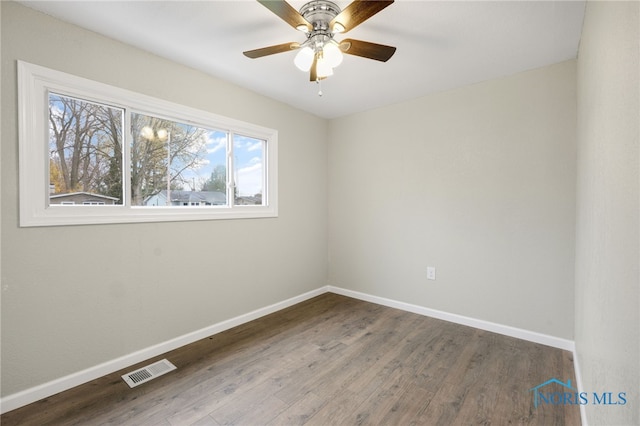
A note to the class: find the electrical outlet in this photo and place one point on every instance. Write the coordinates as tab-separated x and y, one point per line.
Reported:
431	272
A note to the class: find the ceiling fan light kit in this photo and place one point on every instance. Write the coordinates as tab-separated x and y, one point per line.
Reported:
321	20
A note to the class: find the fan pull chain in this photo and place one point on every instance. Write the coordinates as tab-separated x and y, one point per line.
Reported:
319	87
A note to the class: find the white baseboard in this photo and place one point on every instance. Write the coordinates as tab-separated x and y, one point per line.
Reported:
576	368
53	387
20	399
506	330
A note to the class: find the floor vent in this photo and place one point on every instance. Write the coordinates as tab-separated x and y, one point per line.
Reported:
147	373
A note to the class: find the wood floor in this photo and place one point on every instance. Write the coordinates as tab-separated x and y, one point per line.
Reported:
331	360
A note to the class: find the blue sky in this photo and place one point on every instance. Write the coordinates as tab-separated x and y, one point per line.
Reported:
249	162
248	156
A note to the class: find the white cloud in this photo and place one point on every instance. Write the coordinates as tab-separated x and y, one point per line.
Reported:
255	146
249	179
250	169
218	144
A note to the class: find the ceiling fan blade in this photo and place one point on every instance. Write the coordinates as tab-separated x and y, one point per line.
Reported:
357	12
379	52
313	72
287	13
313	75
270	50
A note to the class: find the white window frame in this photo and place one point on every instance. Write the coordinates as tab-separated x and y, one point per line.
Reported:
34	84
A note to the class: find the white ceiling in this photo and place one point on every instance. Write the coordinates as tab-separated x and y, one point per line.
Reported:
441	44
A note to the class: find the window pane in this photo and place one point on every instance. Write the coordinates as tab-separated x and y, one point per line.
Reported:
248	161
175	164
85	152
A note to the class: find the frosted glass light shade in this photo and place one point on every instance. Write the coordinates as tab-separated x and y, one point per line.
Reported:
323	68
332	54
163	134
304	59
147	133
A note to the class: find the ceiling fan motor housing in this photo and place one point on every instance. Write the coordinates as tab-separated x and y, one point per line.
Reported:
319	13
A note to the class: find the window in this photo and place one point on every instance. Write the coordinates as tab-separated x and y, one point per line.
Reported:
94	153
85	150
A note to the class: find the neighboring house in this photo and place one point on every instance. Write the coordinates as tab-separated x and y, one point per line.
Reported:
249	200
82	199
187	198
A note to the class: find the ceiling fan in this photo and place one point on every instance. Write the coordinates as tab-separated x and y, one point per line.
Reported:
321	20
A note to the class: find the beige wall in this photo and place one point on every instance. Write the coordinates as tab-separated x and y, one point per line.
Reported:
74	297
607	277
478	182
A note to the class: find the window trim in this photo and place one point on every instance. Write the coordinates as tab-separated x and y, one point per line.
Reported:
34	84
